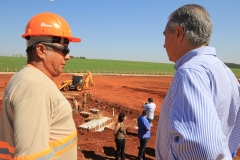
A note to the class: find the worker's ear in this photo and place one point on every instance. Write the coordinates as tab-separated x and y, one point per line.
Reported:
41	51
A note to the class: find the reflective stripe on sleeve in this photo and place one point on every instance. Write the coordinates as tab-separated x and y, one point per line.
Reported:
56	148
6	156
46	154
63	145
6	151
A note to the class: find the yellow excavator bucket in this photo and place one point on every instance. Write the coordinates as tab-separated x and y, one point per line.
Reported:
65	83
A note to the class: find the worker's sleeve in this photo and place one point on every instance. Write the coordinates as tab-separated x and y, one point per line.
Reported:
32	121
196	128
146	106
146	124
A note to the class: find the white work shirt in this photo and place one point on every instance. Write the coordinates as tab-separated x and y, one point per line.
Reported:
150	107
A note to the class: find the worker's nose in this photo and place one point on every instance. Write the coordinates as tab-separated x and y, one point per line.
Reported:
67	57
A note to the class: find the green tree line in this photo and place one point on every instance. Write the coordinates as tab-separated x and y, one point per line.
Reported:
233	65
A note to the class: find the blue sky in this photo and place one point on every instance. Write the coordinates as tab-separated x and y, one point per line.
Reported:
119	29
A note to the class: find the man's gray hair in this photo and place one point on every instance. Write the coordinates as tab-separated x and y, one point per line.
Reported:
195	21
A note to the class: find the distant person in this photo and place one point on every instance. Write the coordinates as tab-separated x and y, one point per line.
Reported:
36	120
120	133
200	116
76	106
150	107
144	133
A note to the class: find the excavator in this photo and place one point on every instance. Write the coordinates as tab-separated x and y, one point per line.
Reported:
78	82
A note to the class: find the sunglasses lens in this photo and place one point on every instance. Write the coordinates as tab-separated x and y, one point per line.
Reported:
65	51
66	41
56	39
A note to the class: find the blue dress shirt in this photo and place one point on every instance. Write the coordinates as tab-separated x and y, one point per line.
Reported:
143	126
200	115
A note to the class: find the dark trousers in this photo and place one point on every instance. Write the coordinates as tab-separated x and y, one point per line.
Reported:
120	145
141	151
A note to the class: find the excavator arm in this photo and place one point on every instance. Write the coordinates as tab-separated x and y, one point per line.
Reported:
88	80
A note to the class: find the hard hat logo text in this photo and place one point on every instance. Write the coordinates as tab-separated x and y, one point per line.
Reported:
45	25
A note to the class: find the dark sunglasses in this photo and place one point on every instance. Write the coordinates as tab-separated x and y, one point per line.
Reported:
56	39
64	49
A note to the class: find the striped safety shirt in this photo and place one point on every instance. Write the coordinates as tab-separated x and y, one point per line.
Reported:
200	115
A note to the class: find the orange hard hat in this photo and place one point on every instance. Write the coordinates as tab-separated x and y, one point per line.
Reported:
49	24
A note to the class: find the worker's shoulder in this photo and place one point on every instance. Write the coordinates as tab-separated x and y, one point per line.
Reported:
31	78
140	118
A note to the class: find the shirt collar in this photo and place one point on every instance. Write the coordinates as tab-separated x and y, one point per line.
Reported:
206	50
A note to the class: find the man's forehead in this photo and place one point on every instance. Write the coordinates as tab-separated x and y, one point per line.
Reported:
165	31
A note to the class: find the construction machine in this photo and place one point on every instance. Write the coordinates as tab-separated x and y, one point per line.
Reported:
78	82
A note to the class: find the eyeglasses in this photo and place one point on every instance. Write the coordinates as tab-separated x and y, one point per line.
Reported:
64	49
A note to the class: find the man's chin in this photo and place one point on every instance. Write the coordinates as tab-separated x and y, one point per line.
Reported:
60	73
57	74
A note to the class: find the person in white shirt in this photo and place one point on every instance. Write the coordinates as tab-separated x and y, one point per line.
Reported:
150	107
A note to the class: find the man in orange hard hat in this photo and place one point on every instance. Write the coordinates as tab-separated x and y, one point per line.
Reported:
36	121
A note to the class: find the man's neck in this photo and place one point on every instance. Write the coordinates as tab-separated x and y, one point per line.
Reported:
41	68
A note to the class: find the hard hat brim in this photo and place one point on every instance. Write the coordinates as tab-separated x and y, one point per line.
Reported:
74	39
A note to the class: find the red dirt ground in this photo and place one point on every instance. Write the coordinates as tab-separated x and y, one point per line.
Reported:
123	93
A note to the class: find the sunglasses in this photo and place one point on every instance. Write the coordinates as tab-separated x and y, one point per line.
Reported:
56	39
64	49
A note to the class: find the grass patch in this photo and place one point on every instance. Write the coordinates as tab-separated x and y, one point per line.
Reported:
13	64
77	65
